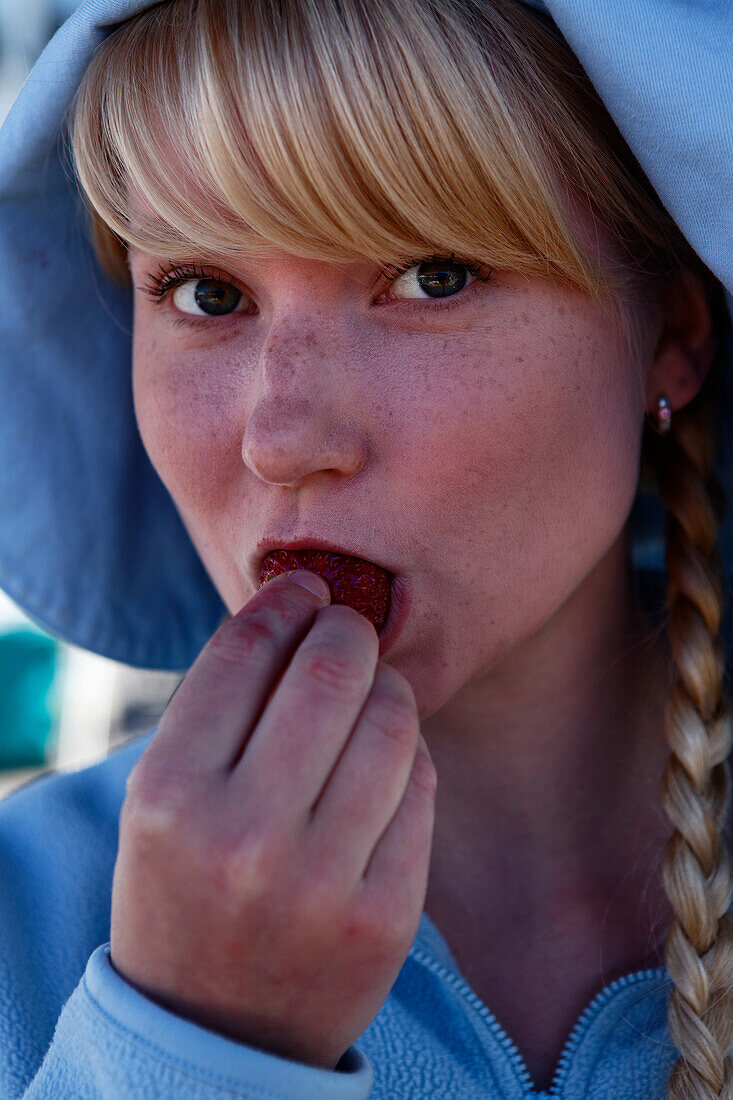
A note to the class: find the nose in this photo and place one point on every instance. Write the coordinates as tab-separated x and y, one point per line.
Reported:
304	421
287	440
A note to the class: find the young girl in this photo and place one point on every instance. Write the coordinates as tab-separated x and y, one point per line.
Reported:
422	304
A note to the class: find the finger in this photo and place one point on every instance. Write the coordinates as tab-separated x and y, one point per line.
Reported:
307	722
400	863
369	781
217	705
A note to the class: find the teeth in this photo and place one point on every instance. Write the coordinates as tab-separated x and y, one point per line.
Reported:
353	581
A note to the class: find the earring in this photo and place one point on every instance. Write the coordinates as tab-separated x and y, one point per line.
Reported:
664	415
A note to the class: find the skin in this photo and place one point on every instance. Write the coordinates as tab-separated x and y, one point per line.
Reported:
490	453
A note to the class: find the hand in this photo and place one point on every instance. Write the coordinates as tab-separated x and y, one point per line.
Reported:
276	833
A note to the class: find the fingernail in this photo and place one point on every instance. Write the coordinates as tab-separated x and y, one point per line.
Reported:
312	582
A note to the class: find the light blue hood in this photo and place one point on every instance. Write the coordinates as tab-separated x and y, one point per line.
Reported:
91	545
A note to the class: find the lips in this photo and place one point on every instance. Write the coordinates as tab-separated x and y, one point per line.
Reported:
353	581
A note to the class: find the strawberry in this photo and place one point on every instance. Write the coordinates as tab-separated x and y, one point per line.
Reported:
353	581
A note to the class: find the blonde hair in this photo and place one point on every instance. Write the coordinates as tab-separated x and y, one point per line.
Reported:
383	130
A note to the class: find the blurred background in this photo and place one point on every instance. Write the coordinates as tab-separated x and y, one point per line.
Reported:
61	707
25	28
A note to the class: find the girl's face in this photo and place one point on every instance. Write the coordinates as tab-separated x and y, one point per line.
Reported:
484	446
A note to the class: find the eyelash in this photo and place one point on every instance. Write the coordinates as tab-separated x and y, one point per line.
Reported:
167	279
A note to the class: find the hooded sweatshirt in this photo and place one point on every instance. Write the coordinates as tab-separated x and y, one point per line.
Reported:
92	548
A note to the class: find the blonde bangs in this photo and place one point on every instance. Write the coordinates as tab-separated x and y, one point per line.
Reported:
345	130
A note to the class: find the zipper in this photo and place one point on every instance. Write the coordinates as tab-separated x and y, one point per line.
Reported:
461	986
586	1018
508	1045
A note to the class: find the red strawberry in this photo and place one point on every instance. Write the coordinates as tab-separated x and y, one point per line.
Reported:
353	581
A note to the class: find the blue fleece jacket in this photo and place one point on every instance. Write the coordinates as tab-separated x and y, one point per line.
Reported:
71	1028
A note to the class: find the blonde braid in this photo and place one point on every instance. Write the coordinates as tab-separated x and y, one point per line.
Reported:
697	868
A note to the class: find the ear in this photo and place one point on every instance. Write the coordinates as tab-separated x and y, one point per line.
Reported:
686	345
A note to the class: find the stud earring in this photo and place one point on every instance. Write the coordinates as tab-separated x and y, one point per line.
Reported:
664	414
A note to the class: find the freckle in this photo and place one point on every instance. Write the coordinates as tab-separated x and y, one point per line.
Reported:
519	360
561	310
525	318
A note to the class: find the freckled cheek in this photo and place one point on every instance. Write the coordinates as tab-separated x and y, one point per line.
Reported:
528	464
185	432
